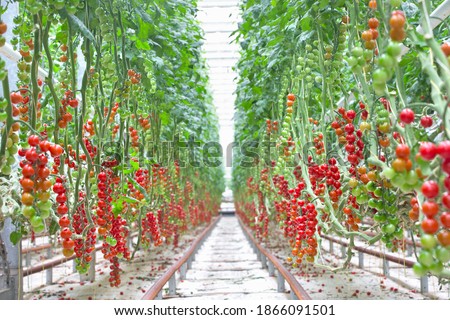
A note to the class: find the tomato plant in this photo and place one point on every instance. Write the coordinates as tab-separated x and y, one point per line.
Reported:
366	138
84	142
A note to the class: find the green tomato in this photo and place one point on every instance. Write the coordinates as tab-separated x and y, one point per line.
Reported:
372	203
391	209
380	76
380	205
28	212
378	192
11	160
362	198
379	88
386	61
9	143
368	55
398	180
45	213
419	269
443	254
394	49
356	192
357	52
436	268
39	229
388	228
36	221
386	239
6	170
398	233
44	205
412	177
371	186
389	173
426	258
357	69
379	217
394	220
13	150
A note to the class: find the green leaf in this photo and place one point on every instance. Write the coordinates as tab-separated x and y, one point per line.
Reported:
78	24
134	165
54	227
305	23
128	199
144	15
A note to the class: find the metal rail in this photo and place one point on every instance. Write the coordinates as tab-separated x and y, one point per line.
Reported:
49	264
386	257
271	262
183	264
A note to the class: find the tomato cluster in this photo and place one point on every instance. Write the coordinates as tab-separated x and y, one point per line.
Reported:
35	181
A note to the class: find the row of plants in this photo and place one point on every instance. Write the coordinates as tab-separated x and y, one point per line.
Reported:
344	106
106	92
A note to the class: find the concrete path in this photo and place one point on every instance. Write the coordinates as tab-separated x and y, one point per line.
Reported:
226	268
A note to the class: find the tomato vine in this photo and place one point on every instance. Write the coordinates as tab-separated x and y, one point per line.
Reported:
365	134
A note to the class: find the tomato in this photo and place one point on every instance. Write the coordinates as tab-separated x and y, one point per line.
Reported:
28	212
62	209
56	150
373	4
384	142
399	165
430	209
351	114
66	233
430	226
419	269
33	140
3	27
27	184
402	151
394	49
407	116
64	222
44	146
371	44
430	189
428	151
68	253
386	61
380	76
445	47
397	34
58	188
375	33
426	121
384	128
444	238
46	184
43	173
373	23
443	149
397	21
27	199
16	98
413	215
443	254
68	244
367	35
291	97
445	219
